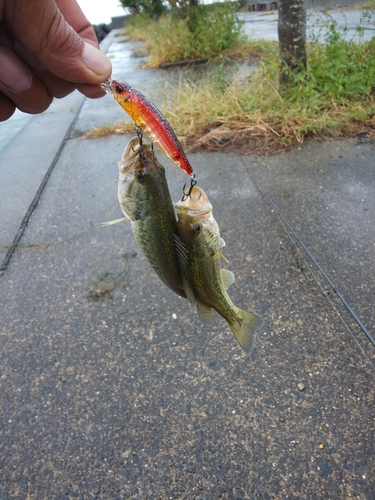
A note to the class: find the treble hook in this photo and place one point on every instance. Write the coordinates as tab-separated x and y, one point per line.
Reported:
193	182
139	133
142	154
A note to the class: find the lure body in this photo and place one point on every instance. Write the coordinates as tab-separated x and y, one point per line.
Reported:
151	121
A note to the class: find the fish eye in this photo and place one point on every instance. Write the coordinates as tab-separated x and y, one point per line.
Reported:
119	89
140	177
197	228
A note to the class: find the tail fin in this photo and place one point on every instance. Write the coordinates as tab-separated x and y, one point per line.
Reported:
244	330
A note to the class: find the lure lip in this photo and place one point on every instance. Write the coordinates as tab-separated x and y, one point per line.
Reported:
107	86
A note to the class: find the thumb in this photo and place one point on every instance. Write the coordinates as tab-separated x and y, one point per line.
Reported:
62	40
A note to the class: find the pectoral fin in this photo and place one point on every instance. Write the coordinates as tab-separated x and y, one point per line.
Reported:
227	277
221	243
206	314
116	221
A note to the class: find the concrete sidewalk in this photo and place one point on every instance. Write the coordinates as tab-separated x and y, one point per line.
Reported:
111	387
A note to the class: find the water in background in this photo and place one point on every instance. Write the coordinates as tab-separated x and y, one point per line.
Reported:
9	128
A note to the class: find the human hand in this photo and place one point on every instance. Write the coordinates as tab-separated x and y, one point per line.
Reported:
47	49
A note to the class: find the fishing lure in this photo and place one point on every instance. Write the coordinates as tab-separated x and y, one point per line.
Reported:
151	121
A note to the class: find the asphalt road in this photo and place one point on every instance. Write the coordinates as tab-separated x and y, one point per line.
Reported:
110	387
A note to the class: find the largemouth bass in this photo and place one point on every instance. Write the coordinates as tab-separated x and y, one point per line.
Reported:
205	282
144	198
151	121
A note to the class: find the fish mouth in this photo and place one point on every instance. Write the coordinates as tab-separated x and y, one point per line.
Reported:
131	148
196	203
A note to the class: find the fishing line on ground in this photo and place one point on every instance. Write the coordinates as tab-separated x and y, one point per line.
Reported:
34	203
325	294
290	231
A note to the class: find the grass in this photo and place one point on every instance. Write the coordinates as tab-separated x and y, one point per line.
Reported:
369	4
222	109
204	33
252	115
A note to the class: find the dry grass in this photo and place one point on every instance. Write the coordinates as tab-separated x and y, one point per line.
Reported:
266	138
251	116
115	129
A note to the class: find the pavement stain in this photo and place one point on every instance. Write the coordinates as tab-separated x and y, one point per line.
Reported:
109	274
38	246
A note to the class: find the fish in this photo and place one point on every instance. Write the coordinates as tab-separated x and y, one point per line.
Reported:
145	200
153	123
199	245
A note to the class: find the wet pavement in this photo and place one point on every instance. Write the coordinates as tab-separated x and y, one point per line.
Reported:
11	127
353	24
110	386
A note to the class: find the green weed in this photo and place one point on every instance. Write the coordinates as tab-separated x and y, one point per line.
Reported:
243	107
204	33
332	98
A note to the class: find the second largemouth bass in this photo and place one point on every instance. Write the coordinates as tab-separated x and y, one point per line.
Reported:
144	198
205	282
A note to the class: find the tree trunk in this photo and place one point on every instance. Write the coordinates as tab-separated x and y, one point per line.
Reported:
292	38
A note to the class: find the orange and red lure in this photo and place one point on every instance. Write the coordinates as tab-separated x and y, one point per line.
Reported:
151	121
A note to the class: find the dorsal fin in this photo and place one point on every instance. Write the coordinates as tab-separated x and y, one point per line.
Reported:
182	253
183	259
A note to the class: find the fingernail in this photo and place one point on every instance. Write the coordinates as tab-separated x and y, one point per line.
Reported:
95	61
13	73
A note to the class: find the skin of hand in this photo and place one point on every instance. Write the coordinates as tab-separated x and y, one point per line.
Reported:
47	49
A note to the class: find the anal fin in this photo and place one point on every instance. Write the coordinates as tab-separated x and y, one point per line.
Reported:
206	314
188	291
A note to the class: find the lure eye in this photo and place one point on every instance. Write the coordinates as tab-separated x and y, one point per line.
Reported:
119	89
197	228
140	177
